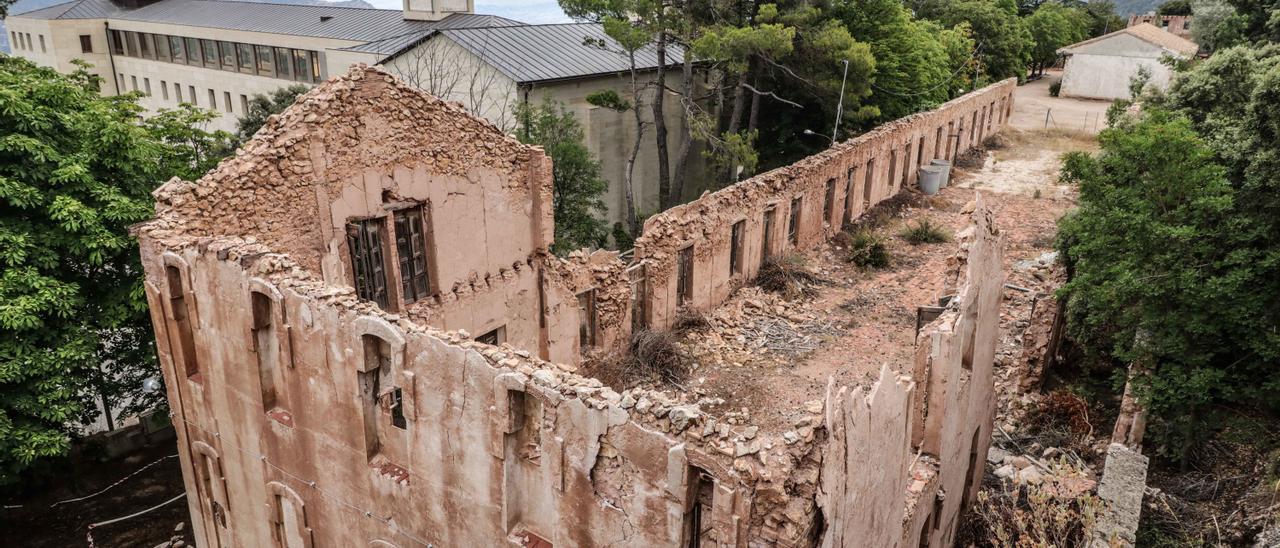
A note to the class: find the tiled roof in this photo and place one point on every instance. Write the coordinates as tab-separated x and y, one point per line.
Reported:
538	53
1147	33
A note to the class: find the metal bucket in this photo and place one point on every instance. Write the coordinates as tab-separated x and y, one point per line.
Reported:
930	179
946	170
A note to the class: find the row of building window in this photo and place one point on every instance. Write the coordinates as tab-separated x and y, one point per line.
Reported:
275	62
897	178
191	95
22	41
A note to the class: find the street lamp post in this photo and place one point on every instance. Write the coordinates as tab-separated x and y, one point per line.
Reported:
840	105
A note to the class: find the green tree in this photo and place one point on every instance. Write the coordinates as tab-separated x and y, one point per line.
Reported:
1174	7
1004	43
1261	19
1102	17
1054	26
914	68
1158	276
263	105
578	184
76	169
1175	250
1216	25
189	149
4	7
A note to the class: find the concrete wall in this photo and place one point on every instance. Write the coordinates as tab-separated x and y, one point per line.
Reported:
285	440
1090	76
62	45
1102	69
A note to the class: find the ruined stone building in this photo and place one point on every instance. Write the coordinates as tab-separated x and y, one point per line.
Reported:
366	343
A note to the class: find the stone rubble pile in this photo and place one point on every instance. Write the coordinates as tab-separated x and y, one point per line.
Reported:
1057	472
757	325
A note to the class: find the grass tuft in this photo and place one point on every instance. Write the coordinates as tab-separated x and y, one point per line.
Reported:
925	232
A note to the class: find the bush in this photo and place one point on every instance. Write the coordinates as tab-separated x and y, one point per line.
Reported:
689	320
655	354
787	275
867	250
1030	516
925	232
1054	88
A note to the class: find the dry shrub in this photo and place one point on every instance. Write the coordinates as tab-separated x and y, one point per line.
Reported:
655	355
788	276
971	159
688	319
1029	516
995	141
652	356
1062	408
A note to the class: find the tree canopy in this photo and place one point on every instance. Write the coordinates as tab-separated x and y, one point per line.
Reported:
1174	252
262	106
1004	42
76	169
578	184
1053	26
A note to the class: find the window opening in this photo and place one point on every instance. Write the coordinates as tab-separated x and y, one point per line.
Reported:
701	497
586	320
793	224
266	346
766	246
186	343
828	201
684	280
735	247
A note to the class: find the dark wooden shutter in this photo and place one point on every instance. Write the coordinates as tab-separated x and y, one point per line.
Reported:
411	245
365	243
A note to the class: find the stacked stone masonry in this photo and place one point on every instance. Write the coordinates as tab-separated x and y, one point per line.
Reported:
308	416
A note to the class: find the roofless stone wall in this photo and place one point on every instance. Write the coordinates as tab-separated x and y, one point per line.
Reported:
309	417
804	202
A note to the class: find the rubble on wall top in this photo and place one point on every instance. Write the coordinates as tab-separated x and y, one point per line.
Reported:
284	151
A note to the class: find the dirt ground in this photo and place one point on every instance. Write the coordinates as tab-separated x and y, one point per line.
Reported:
770	355
28	520
1034	109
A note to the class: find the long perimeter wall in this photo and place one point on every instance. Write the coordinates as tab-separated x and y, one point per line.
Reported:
827	190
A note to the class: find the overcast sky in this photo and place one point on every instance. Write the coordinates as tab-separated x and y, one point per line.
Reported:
528	11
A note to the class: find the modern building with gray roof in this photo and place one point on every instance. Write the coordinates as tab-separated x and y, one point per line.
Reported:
218	54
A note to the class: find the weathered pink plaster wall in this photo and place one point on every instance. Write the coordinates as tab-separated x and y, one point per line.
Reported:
574	462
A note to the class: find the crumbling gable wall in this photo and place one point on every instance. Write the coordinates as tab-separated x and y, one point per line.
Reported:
364	146
861	172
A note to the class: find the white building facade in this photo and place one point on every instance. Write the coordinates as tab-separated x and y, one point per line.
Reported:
1102	67
218	54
